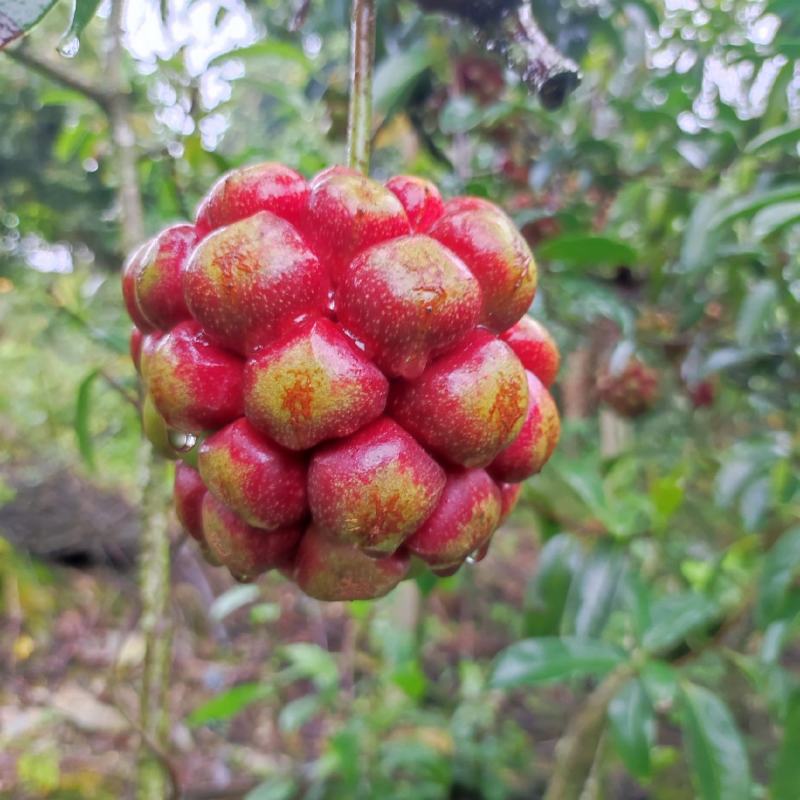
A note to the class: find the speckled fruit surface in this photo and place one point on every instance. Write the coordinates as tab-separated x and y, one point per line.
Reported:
345	374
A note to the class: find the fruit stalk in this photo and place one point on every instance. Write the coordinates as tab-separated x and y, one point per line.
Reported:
362	58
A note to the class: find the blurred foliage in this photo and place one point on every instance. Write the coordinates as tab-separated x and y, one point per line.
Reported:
662	201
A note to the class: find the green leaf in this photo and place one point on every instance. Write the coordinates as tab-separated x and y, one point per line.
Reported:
587	251
297	712
311	661
233	599
228	704
774	218
781	565
275	789
758	305
534	661
786	774
594	591
749	205
700	239
633	727
673	618
781	134
82	15
83	409
396	76
275	49
546	596
19	16
714	747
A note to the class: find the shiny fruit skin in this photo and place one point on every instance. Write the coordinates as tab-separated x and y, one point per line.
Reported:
247	282
189	492
535	348
333	570
420	198
406	300
469	404
537	439
195	385
493	249
374	488
245	550
312	385
464	520
259	480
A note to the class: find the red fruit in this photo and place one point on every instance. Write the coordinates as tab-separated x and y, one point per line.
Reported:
334	570
467	405
260	481
158	277
466	517
342	351
247	281
373	489
631	390
347	213
406	300
494	250
244	192
535	348
195	385
129	271
135	347
534	445
420	199
189	493
246	551
313	384
509	497
702	394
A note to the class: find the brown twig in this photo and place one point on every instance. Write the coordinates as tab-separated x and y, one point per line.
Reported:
56	73
362	59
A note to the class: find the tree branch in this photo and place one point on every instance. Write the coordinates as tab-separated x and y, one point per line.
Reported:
362	58
56	73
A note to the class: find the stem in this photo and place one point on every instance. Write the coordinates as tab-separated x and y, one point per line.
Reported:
54	72
362	58
576	752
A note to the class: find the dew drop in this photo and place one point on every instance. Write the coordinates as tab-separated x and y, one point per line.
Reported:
182	442
69	47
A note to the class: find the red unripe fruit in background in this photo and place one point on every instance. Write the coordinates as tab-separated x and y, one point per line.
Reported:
374	488
260	481
244	192
195	385
537	439
189	492
312	385
343	352
157	277
467	405
420	199
465	518
347	213
334	570
406	300
488	243
702	394
246	282
535	348
630	391
245	550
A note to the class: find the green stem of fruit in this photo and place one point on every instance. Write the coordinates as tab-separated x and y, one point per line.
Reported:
362	58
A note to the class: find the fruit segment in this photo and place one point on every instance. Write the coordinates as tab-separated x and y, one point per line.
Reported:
535	348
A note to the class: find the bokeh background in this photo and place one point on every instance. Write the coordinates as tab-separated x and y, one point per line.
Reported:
642	606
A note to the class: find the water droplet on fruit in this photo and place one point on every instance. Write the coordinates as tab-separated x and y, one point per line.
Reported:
182	442
472	558
69	47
